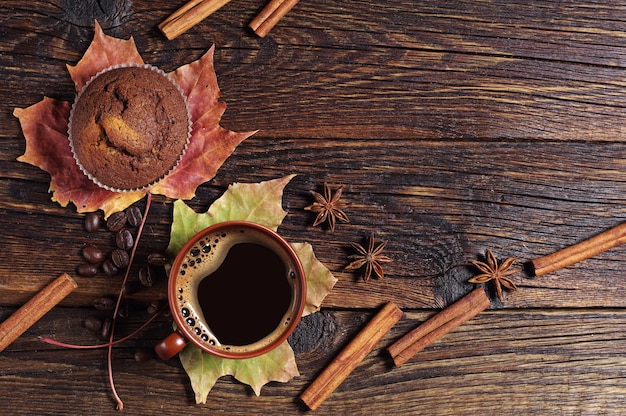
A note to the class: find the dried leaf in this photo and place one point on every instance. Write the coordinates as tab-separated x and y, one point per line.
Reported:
319	280
199	83
210	145
205	369
260	203
255	202
45	130
103	52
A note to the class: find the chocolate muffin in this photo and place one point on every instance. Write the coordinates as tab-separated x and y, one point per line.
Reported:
129	127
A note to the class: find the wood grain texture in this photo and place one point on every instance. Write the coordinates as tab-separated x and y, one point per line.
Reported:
454	127
465	372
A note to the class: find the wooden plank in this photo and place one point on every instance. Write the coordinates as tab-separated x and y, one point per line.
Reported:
454	128
545	361
480	70
440	208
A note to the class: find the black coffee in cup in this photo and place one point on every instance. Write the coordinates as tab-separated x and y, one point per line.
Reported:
237	289
247	296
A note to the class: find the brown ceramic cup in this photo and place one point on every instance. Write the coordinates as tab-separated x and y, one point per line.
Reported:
236	290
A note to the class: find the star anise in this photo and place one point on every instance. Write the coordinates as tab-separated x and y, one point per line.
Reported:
370	258
497	273
328	207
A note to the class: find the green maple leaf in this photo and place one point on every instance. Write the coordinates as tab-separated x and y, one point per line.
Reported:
319	280
257	202
260	203
204	369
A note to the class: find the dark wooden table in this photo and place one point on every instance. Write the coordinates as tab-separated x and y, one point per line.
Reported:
455	127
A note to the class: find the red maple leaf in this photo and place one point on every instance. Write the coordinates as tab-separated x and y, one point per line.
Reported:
47	146
104	51
210	144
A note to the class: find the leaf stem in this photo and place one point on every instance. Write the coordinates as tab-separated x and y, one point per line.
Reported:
120	403
93	347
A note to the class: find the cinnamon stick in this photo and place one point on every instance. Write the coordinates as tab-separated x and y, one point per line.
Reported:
190	14
271	15
34	309
580	251
439	325
351	356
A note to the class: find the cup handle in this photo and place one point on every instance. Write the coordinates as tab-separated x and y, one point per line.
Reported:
170	346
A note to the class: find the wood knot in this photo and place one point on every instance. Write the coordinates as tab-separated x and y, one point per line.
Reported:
107	12
311	332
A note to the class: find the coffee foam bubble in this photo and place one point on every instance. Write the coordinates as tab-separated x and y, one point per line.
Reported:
204	258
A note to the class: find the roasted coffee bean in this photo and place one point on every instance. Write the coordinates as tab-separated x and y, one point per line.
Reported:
157	259
153	307
87	270
143	355
93	254
124	310
134	216
124	239
120	258
109	268
146	276
93	221
104	304
116	221
107	324
93	323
